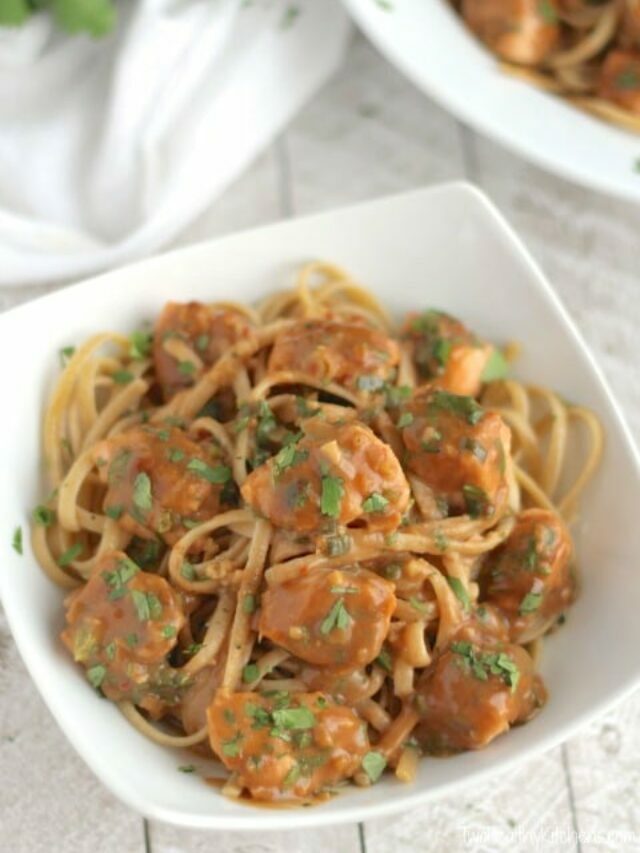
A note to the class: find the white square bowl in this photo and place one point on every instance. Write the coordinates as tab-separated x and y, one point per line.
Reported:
445	247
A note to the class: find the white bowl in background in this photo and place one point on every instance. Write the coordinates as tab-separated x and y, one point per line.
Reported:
431	44
445	247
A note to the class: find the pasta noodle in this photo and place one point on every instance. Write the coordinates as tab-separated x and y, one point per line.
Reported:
306	541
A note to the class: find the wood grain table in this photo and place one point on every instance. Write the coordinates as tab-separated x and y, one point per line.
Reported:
369	133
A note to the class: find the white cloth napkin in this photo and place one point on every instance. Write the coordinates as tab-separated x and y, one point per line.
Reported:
109	148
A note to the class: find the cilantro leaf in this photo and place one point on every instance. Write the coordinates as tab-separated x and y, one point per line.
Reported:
497	367
16	542
142	491
459	591
337	617
331	496
530	603
218	474
373	765
375	503
294	718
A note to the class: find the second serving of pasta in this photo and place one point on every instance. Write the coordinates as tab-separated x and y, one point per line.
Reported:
307	542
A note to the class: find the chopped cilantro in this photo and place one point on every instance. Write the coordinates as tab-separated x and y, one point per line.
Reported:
266	423
304	409
187	368
114	511
331	496
373	765
547	11
169	631
70	554
497	366
418	605
405	420
233	747
147	605
175	454
122	377
287	457
44	516
385	660
96	675
16	542
292	776
218	474
249	604
396	394
474	447
187	768
294	718
465	408
476	501
66	354
338	545
202	342
460	592
442	350
441	541
392	571
530	603
142	498
338	617
375	503
140	345
250	673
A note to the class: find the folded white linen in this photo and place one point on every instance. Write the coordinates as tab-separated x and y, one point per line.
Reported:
108	148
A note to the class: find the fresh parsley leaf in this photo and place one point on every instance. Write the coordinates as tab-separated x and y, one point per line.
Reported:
202	342
250	673
375	503
218	474
44	516
373	765
187	768
187	571
530	603
497	367
16	542
66	353
331	496
114	511
405	420
337	617
96	675
294	718
460	592
147	605
70	555
249	604
140	345
462	407
122	377
142	492
476	501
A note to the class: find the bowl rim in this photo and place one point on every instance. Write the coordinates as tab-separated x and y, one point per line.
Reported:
408	798
462	109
